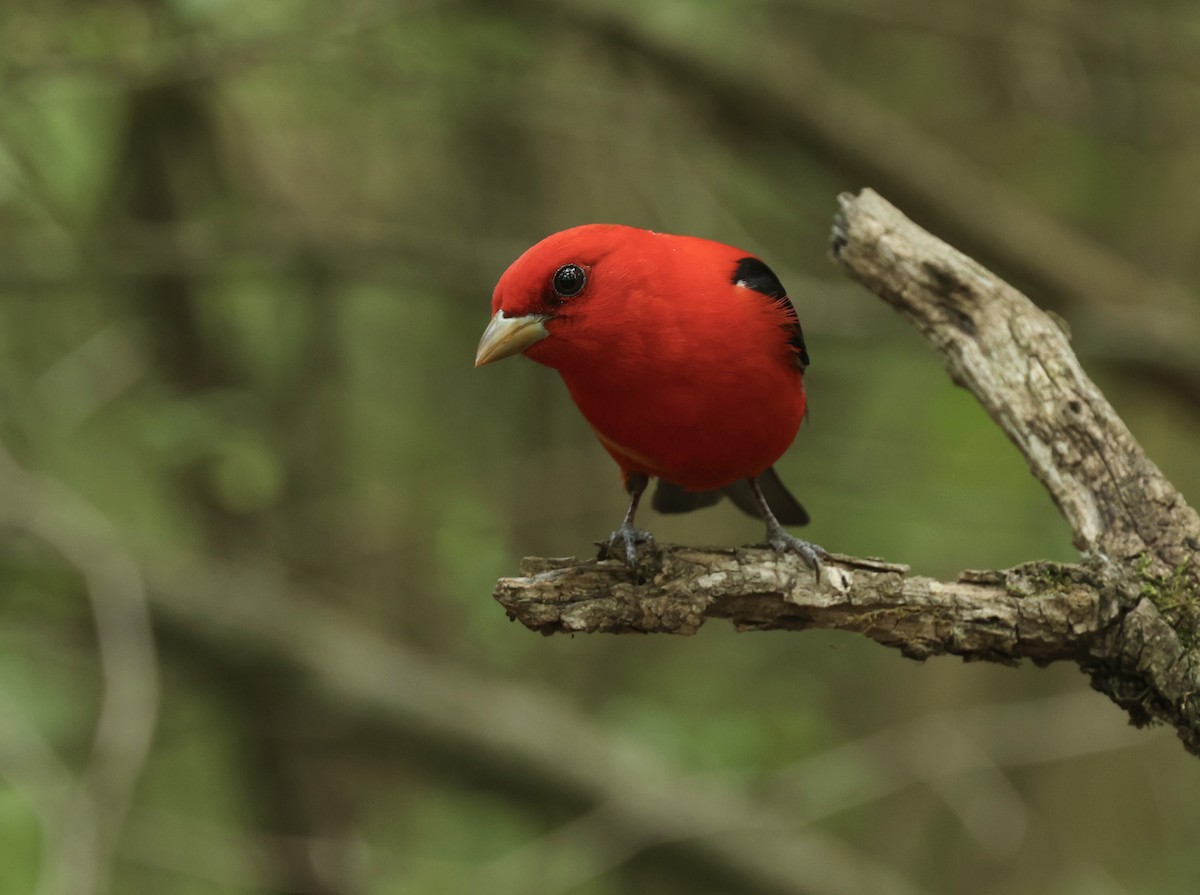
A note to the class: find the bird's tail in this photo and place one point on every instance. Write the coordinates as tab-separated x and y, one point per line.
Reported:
672	498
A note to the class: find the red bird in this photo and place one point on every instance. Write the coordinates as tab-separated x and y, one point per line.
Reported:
685	356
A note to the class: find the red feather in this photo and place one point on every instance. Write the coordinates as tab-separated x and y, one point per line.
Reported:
682	373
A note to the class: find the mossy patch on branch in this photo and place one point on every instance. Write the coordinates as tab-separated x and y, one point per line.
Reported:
1176	596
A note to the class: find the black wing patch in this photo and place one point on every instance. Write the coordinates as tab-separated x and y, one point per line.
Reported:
753	274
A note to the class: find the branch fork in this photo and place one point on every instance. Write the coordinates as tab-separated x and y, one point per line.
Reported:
1128	613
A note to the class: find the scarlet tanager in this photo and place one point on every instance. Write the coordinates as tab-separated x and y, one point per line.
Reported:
685	356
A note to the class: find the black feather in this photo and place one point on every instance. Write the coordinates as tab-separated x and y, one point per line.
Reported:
783	504
670	498
753	274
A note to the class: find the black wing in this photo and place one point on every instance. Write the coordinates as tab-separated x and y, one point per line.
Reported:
755	275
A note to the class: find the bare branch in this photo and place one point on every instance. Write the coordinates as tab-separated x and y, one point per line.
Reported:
1129	615
1018	363
997	616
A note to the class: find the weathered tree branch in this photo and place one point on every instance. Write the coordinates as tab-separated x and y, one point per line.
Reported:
1041	611
1018	363
1129	614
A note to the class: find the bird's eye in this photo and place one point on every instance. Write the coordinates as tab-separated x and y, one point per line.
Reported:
569	280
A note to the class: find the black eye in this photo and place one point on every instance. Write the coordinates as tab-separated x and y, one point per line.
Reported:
569	280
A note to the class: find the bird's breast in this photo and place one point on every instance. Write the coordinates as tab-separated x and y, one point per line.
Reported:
701	425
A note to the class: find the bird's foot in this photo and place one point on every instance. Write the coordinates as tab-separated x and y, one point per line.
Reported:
622	544
812	554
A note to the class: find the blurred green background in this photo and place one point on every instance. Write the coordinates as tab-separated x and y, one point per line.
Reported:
254	496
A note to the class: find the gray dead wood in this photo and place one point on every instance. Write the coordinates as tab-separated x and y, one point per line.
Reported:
1128	613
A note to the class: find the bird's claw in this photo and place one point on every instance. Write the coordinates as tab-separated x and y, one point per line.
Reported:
812	554
627	537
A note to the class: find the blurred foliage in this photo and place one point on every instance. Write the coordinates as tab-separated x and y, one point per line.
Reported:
246	251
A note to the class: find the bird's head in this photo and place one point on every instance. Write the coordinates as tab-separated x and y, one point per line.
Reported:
551	290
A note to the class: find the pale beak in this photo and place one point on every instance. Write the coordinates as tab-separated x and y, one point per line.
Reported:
506	336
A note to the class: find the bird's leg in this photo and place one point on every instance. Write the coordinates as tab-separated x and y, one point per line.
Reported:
627	535
781	540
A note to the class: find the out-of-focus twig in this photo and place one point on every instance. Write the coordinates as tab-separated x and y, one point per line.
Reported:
80	856
949	751
963	756
1149	40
